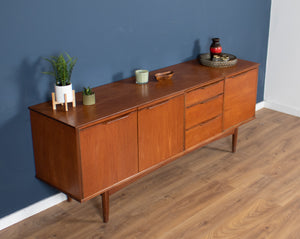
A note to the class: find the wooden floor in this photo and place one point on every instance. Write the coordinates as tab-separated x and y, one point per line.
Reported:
209	193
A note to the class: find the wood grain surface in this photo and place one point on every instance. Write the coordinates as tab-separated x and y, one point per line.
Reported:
209	193
109	153
160	131
203	93
203	131
203	111
56	146
115	98
239	93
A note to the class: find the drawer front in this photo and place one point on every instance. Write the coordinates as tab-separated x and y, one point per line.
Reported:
203	131
204	93
204	111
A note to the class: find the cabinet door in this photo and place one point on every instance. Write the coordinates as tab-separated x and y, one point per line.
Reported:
161	129
108	153
240	98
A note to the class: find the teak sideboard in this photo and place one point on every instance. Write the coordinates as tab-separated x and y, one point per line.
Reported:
134	129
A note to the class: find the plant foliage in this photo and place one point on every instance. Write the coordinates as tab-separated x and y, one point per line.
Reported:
87	91
62	68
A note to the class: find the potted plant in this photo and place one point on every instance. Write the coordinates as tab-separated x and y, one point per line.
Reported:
62	71
88	96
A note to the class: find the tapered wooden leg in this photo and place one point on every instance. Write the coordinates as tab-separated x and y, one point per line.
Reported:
66	103
74	99
234	140
53	101
69	198
105	206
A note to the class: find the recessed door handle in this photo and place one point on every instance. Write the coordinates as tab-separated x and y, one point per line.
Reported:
159	104
117	119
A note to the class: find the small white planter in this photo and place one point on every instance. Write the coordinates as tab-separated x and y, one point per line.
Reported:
60	92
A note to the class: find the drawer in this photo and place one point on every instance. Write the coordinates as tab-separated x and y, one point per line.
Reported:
203	93
203	111
203	131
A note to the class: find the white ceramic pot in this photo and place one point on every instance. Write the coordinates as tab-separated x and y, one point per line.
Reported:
60	92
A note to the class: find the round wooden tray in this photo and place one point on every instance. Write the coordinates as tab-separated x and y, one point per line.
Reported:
205	60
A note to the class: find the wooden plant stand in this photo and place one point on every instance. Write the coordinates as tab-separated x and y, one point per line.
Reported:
54	102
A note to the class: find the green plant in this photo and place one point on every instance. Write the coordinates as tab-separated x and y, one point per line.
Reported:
87	91
62	68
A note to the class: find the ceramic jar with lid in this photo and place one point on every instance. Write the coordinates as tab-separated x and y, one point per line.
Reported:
215	49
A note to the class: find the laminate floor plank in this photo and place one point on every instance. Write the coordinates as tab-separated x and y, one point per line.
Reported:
284	223
208	193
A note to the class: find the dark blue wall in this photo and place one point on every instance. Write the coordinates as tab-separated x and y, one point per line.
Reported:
110	39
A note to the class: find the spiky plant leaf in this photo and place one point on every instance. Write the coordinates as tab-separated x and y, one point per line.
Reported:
62	69
87	91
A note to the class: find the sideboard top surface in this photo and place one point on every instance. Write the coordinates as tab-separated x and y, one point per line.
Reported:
125	95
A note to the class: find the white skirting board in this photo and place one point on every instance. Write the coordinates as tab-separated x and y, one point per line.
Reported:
31	210
260	106
282	108
278	107
58	198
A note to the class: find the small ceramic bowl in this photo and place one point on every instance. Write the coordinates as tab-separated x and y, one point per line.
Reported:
164	75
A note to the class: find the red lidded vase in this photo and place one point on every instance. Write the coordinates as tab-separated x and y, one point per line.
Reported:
215	48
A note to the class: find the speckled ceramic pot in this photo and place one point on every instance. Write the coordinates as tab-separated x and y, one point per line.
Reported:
89	99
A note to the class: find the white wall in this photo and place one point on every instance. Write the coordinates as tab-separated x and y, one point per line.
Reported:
282	86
